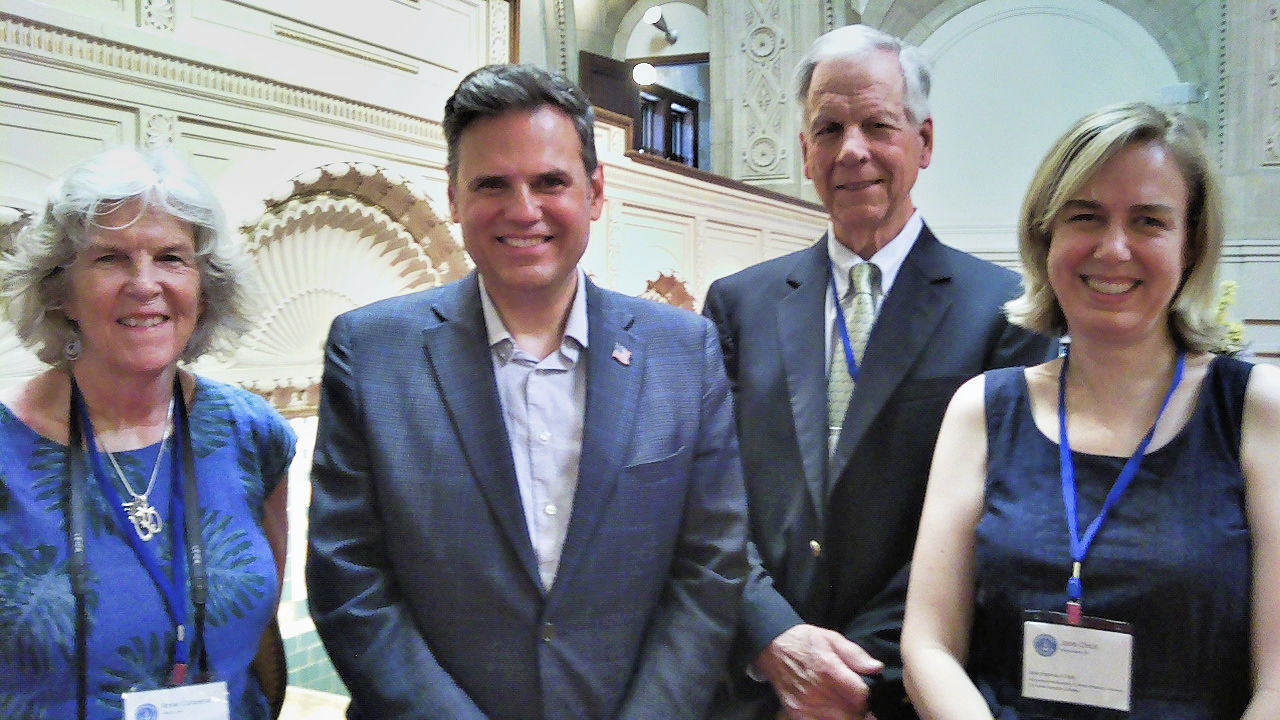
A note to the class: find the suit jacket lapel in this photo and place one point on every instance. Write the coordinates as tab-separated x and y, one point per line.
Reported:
457	351
613	393
801	328
915	305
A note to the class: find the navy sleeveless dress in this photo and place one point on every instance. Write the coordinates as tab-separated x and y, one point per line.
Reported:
1172	558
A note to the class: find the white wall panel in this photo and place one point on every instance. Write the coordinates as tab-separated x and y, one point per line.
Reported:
247	166
723	248
1010	76
782	242
44	135
403	56
646	241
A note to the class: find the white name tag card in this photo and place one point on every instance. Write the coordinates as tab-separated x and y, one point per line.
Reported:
1086	664
206	701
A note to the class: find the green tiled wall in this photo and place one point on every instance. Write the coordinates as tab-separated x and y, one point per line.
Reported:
309	666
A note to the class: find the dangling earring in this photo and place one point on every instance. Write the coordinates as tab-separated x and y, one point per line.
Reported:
71	350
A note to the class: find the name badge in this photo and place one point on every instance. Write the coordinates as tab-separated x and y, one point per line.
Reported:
1090	663
205	701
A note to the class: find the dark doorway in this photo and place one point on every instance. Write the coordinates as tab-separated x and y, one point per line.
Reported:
669	117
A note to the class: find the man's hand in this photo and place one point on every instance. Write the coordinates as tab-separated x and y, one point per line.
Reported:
815	673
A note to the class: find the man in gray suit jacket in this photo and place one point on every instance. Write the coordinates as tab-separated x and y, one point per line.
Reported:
527	498
835	482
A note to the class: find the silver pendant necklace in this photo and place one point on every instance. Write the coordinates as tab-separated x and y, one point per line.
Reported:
144	516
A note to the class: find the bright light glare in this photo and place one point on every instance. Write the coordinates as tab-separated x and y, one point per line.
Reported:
644	74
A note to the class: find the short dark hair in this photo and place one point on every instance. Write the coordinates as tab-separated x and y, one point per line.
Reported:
495	90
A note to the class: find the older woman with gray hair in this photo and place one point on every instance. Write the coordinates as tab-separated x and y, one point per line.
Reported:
142	522
1101	533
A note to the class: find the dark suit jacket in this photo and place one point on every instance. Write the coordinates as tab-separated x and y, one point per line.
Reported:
838	557
422	578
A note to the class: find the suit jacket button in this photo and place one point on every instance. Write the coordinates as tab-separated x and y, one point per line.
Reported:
816	547
548	632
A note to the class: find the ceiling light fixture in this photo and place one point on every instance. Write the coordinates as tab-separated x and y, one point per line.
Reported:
654	17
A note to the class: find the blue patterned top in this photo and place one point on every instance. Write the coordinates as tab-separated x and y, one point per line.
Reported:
242	448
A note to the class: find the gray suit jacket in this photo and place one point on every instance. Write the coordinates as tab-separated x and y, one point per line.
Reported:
836	554
422	578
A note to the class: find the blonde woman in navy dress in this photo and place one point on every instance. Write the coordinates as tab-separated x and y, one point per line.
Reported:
127	483
1101	534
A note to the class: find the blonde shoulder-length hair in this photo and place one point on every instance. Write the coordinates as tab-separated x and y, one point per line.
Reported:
1072	162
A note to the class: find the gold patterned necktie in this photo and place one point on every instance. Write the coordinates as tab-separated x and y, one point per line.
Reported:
859	308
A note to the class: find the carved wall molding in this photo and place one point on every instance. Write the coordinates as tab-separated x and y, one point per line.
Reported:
325	41
853	11
1219	120
828	15
35	42
333	239
612	132
499	31
562	37
763	45
1271	41
158	14
157	128
670	289
386	189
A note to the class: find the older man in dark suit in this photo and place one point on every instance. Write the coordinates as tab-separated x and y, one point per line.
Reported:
527	499
843	357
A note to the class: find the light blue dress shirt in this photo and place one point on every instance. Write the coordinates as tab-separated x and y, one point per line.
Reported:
543	404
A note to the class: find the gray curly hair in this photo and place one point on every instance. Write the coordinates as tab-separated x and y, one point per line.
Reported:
33	268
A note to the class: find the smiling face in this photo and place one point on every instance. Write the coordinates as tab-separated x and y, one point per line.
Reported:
134	292
861	150
525	203
1118	248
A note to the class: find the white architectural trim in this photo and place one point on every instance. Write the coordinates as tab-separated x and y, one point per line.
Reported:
28	41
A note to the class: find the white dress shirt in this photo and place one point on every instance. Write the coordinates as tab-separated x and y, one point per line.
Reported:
543	404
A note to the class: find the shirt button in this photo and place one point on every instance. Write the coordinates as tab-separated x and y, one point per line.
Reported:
816	548
544	436
550	509
548	632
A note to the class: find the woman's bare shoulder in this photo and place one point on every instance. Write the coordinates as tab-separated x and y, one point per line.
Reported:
41	403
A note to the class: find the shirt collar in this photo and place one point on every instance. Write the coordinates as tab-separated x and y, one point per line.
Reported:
575	329
889	258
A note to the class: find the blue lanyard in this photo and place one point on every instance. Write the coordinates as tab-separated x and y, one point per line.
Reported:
844	331
1080	545
174	592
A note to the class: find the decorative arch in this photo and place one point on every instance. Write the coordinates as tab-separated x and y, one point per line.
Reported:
670	289
332	239
1190	32
1009	77
624	16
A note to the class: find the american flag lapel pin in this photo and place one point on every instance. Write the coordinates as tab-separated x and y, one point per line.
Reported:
621	354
